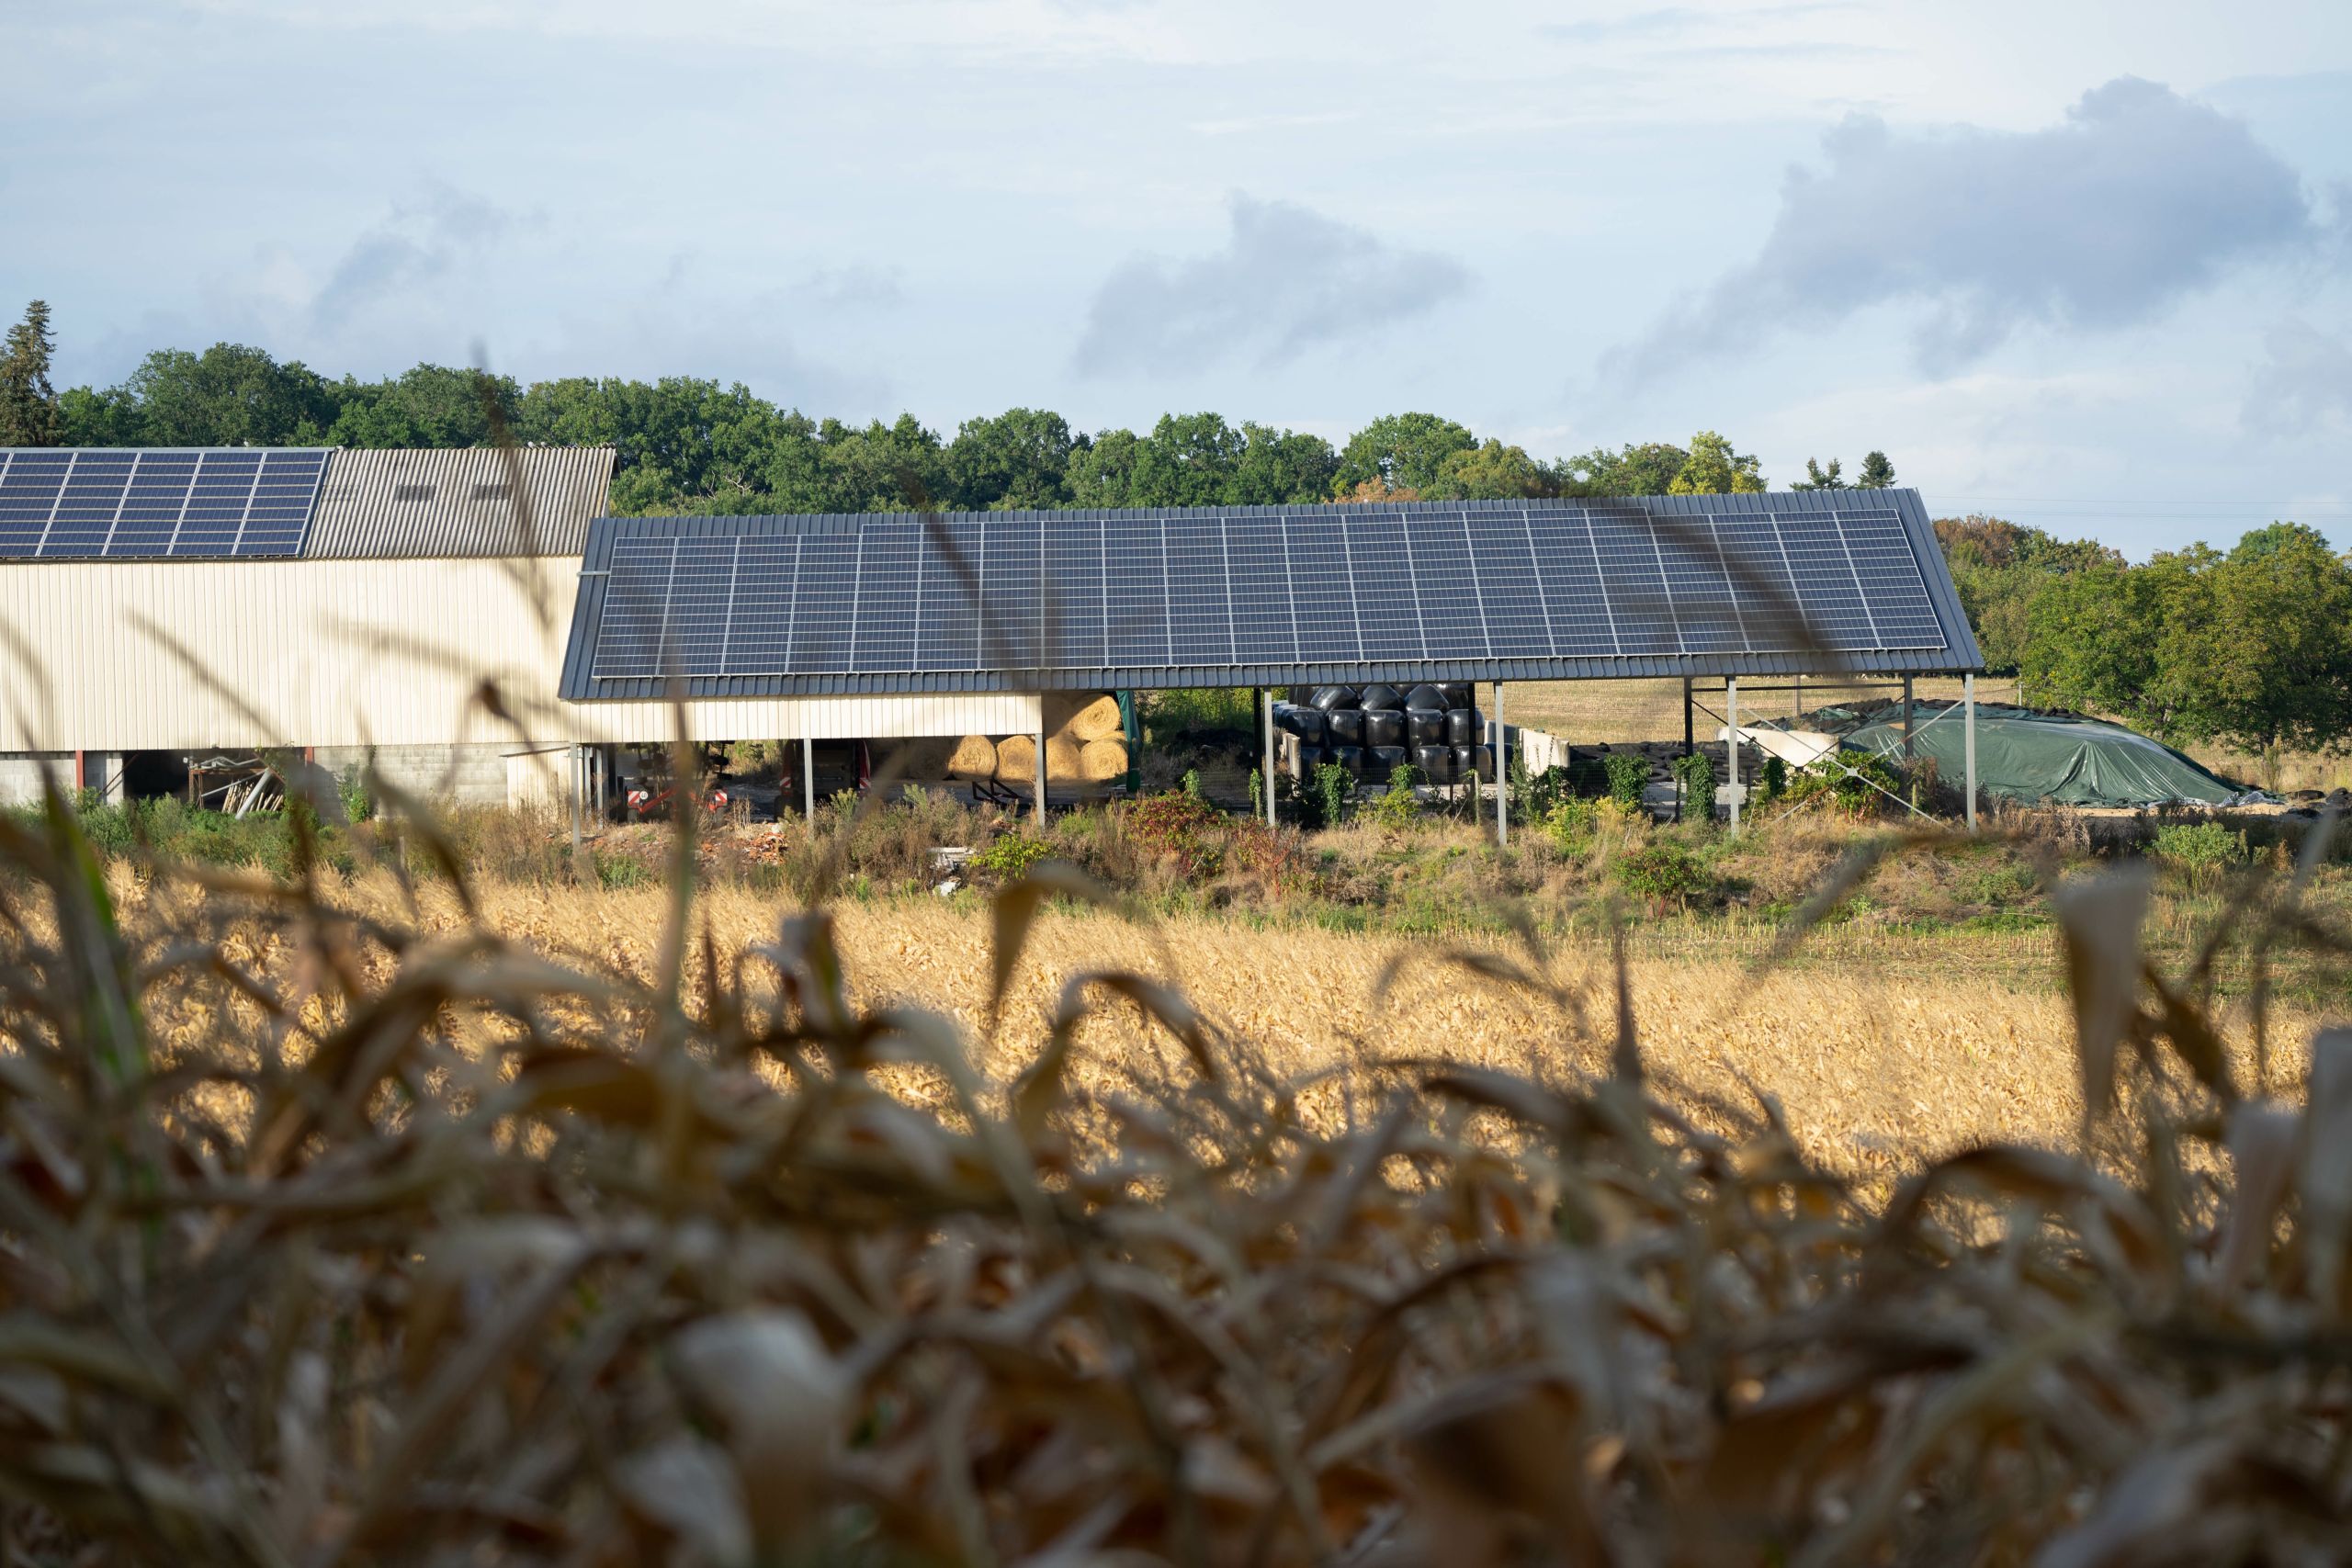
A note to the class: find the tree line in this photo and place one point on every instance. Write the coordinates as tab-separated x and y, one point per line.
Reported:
2250	646
690	446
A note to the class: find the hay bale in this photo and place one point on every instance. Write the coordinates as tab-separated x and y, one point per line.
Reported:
973	757
1016	760
1102	761
923	760
1083	717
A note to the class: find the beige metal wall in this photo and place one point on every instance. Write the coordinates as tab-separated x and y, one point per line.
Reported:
170	655
162	655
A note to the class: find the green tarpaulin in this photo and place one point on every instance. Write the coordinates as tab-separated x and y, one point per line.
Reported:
2030	757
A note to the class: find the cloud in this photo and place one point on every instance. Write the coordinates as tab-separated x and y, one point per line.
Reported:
1286	281
1671	21
2137	199
419	244
856	286
2304	379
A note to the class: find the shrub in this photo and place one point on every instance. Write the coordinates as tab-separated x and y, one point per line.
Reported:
2202	848
359	800
1695	776
1663	874
1221	707
1178	828
1847	788
1009	855
1256	790
1398	809
1629	774
1570	824
1774	783
1194	790
1334	791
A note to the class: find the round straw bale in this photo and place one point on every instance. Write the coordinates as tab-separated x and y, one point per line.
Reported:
1084	717
973	757
1102	761
1016	759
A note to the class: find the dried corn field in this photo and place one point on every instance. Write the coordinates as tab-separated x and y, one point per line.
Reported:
380	1221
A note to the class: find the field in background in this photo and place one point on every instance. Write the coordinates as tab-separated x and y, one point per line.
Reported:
1885	1051
1591	712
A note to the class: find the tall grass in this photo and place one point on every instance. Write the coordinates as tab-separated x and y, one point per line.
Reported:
359	1237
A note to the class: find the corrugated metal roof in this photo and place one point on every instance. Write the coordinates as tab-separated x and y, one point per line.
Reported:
1957	652
459	502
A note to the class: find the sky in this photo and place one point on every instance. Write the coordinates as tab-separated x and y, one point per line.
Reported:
2084	266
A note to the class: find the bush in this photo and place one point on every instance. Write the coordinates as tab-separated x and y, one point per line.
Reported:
1850	791
1629	774
1009	855
1194	790
1774	783
1334	789
1179	828
2202	848
1694	775
1663	874
1256	790
1398	809
1223	707
1570	824
359	800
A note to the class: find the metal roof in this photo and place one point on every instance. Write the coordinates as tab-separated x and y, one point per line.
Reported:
459	502
1676	528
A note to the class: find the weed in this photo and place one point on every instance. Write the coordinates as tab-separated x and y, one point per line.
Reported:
1629	776
1664	873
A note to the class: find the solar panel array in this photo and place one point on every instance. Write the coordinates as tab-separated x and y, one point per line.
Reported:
1256	588
61	503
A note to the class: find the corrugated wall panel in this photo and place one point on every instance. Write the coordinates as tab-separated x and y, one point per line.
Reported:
135	656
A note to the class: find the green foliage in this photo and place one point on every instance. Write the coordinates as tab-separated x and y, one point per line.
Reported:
1818	478
1396	807
1334	789
1877	473
1492	472
1169	713
1018	460
2200	848
1849	787
1401	451
29	415
1774	783
1193	787
359	800
1713	469
2252	647
619	873
1695	777
1569	822
1647	469
1179	828
1009	855
1629	776
2000	568
1662	873
1256	790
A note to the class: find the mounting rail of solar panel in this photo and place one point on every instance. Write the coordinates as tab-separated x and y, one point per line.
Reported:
112	503
1263	596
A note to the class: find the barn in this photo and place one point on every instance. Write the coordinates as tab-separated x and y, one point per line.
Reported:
474	623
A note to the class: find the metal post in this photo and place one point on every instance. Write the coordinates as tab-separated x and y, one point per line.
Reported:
1500	752
1266	699
575	798
1968	743
1687	738
1041	764
808	778
1731	726
1907	721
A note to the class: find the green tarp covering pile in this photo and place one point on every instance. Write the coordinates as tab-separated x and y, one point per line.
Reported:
2030	757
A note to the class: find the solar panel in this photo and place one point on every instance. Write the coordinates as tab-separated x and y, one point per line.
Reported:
1426	584
122	502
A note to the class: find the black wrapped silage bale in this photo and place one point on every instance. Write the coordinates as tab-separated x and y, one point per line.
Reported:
1465	727
1426	698
1479	760
1377	698
1349	758
1306	723
1425	726
1332	699
1310	757
1380	762
1436	763
1343	726
1383	727
1456	693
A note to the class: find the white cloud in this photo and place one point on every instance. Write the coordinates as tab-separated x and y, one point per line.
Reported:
1287	280
2305	380
2138	198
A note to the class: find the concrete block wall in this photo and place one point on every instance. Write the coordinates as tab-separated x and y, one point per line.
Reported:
470	775
20	773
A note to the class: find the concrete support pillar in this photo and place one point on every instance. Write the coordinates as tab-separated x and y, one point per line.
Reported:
1968	744
1041	764
808	780
1731	766
578	765
1266	771
1907	721
1502	754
